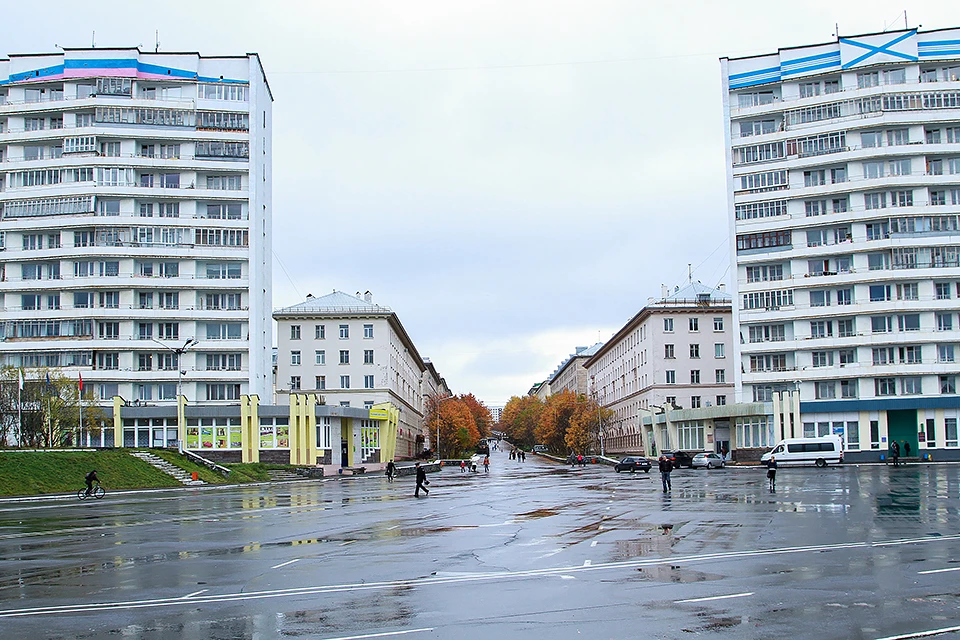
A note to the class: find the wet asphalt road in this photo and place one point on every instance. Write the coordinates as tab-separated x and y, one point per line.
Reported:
533	550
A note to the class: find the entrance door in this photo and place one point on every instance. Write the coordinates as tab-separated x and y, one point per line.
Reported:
902	427
344	450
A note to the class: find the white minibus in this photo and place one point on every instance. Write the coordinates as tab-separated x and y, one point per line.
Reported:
798	451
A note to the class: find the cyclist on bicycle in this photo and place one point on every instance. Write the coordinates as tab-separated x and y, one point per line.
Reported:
90	478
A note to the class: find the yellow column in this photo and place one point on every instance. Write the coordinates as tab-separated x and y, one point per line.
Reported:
117	421
389	418
295	421
346	433
310	424
250	428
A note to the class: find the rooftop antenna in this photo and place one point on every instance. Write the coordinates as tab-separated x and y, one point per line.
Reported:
156	48
836	31
905	25
689	272
93	39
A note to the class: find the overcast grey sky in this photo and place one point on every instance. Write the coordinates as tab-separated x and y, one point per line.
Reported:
514	178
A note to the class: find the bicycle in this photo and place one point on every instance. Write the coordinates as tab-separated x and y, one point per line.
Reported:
97	493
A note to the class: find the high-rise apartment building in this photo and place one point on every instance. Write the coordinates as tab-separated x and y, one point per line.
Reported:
135	192
843	166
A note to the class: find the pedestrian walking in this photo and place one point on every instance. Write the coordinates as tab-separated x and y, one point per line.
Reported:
895	453
523	455
580	459
906	449
391	470
486	464
421	481
463	466
666	467
772	473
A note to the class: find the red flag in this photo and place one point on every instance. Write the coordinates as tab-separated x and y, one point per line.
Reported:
80	382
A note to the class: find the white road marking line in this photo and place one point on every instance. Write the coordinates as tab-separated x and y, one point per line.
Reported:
594	543
587	563
383	635
564	572
396	526
922	634
283	564
195	593
343	544
924	573
733	595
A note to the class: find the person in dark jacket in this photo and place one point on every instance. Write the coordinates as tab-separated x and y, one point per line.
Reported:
665	468
772	473
421	481
895	453
89	479
391	471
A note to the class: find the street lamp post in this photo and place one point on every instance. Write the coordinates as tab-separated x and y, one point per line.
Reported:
179	353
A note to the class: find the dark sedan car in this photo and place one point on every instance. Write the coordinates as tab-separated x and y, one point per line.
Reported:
679	458
631	464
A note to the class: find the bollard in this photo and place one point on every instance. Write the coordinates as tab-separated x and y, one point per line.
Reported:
194	476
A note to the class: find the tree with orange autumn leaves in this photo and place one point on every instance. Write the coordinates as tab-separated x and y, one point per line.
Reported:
462	421
565	422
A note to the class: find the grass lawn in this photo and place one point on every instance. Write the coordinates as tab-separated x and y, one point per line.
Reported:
24	473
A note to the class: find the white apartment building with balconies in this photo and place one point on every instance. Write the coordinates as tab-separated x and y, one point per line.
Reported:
675	351
843	166
135	191
355	353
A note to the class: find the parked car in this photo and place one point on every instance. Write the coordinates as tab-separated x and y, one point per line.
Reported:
539	448
708	461
679	458
631	464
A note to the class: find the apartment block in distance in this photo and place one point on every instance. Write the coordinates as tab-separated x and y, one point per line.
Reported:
675	352
843	165
136	217
355	353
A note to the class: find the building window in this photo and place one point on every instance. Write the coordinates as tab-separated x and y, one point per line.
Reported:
671	377
320	332
909	322
321	382
881	324
223	392
948	385
822	358
718	324
294	383
826	389
321	356
694	376
368	382
721	401
368	331
344	356
911	385
344	382
950	430
368	356
821	329
849	388
668	325
695	351
694	324
943	290
944	322
668	352
295	358
721	376
885	386
694	402
719	350
344	331
295	332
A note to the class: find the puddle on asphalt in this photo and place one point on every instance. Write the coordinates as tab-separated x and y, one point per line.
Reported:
676	573
715	623
536	513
